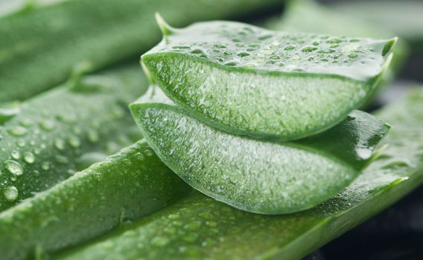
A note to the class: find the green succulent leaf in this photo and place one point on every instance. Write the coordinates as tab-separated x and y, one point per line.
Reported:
126	186
266	84
258	176
201	228
48	138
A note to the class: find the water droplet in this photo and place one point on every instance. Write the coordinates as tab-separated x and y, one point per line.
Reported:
93	136
61	159
352	55
45	166
243	54
29	157
206	215
67	119
59	144
17	131
160	241
190	237
193	226
21	143
309	49
74	141
16	155
11	193
264	37
289	48
25	122
47	125
13	167
231	63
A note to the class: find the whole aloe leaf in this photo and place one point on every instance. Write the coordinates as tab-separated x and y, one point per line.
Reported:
41	40
266	84
48	138
124	187
201	228
257	176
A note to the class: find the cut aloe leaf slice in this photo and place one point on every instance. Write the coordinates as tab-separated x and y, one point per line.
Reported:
257	176
251	81
201	228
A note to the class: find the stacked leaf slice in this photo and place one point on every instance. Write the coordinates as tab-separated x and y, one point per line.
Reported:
262	120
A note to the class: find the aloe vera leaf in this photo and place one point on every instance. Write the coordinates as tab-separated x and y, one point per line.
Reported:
257	176
123	187
266	84
310	16
41	42
201	228
402	17
51	136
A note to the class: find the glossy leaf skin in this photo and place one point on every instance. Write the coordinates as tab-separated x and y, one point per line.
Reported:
41	43
256	176
266	84
57	133
126	186
201	228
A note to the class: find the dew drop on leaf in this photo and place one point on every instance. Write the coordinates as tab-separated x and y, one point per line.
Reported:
11	193
13	167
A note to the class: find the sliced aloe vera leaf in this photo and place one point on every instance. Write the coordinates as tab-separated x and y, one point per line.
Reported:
121	188
48	138
42	40
201	228
257	176
402	17
266	84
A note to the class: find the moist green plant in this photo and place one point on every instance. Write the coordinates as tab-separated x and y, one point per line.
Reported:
199	227
266	84
259	176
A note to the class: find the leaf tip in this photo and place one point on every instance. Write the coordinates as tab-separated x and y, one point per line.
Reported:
389	46
164	27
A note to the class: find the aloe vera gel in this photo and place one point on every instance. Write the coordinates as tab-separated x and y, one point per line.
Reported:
241	92
266	84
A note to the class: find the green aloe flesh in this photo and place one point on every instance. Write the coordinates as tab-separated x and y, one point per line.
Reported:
201	228
257	176
402	17
51	136
125	186
42	41
266	84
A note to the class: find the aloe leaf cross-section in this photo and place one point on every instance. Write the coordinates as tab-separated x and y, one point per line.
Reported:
259	176
266	84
